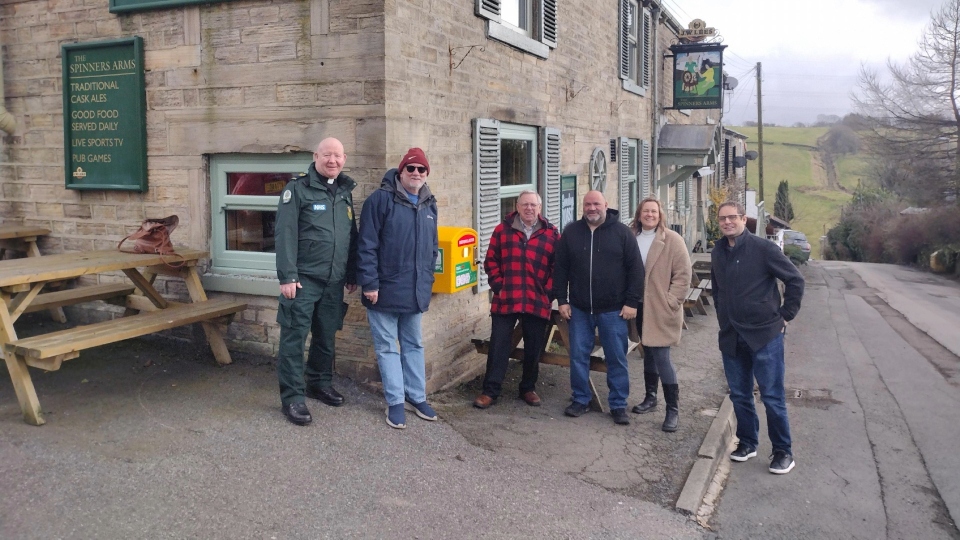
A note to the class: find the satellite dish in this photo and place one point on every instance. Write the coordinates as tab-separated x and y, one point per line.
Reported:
705	171
729	83
751	155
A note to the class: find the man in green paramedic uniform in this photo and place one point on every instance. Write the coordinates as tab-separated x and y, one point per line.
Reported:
316	243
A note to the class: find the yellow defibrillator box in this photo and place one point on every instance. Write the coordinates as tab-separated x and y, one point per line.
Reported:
456	266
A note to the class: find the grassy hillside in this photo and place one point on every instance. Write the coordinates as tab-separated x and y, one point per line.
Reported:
816	203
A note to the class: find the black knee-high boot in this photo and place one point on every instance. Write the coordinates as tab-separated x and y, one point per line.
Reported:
649	403
671	394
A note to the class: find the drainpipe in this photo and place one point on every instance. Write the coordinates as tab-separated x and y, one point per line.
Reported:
7	121
655	108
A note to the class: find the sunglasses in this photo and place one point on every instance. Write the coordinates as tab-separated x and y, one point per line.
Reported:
411	168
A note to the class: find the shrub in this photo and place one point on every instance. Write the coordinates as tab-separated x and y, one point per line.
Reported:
797	255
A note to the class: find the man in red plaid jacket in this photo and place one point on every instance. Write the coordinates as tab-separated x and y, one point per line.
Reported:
519	266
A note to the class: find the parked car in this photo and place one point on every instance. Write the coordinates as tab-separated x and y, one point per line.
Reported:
797	238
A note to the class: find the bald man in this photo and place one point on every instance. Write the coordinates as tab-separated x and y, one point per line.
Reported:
316	244
598	283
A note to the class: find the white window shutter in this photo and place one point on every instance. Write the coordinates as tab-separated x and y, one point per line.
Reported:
624	39
550	157
624	160
548	21
489	9
486	188
645	171
645	48
681	197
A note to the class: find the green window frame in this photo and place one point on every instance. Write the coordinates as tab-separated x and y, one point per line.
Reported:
233	264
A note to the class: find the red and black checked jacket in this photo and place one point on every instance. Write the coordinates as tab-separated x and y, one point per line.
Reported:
520	271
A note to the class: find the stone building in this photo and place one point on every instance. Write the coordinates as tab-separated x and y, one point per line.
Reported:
502	95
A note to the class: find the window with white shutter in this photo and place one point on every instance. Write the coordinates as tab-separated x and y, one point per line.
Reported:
628	178
646	188
635	45
550	165
528	25
486	188
508	160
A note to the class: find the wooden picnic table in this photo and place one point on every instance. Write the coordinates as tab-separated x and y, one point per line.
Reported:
21	283
23	239
558	332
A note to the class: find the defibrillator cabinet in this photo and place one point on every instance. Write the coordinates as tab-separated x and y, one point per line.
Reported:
456	266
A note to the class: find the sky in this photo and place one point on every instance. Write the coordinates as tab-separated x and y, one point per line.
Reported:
810	52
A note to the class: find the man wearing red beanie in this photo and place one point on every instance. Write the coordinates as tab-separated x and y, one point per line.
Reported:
396	253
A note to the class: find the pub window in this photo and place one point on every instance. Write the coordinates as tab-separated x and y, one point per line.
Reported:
508	159
528	25
635	57
244	192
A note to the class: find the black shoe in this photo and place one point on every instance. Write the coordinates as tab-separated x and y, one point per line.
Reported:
297	413
781	462
620	417
325	395
576	409
743	452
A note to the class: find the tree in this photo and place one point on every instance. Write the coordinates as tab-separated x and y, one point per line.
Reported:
913	117
782	207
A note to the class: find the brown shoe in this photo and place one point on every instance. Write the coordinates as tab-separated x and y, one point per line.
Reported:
483	401
531	398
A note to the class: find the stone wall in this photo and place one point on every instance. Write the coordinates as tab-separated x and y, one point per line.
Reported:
229	77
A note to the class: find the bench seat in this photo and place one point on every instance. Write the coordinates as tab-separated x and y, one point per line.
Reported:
597	362
693	302
79	295
47	351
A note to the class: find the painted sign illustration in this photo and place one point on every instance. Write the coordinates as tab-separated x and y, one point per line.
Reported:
698	77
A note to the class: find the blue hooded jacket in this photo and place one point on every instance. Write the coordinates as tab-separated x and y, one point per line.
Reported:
397	247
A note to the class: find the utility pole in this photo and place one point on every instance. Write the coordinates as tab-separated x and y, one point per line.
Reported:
759	135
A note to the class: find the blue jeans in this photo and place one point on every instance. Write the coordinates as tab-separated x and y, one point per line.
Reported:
401	371
766	364
613	339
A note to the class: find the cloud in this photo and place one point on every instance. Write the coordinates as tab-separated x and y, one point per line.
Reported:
916	10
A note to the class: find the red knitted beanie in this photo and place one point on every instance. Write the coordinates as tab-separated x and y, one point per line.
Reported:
414	155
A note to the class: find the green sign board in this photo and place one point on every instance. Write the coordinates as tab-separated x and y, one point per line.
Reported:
104	115
125	6
438	264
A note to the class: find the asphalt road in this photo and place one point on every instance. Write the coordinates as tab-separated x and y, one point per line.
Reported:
874	406
148	439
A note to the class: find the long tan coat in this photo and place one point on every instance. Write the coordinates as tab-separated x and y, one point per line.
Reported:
668	279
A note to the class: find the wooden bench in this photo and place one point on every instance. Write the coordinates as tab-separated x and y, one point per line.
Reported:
79	295
705	288
558	332
48	351
693	302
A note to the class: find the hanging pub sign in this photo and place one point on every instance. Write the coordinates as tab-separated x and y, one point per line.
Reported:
104	115
698	76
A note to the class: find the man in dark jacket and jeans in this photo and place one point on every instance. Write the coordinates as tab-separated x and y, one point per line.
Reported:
519	265
397	253
598	284
316	245
744	274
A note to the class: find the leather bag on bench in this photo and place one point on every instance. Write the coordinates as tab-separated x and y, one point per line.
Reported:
154	237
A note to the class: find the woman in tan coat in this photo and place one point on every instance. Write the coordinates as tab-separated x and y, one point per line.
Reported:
667	266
